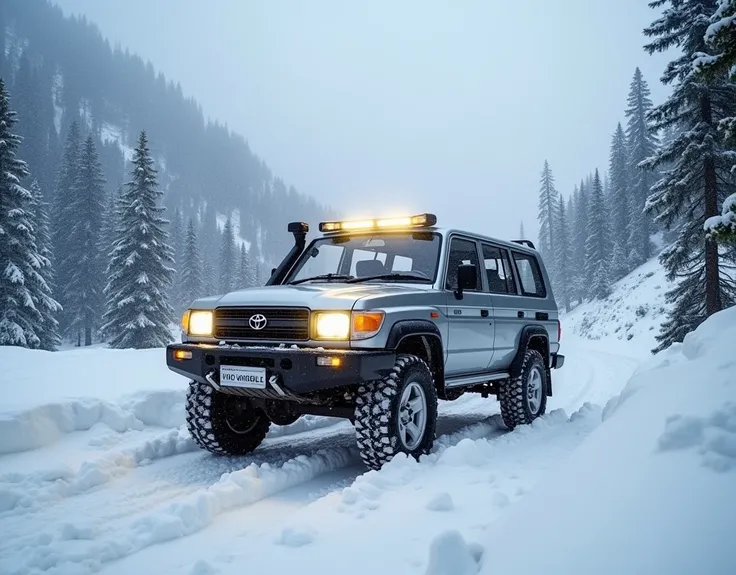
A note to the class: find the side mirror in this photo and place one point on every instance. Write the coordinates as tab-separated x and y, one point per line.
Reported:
467	278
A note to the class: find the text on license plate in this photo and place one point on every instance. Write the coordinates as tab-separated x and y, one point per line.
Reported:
242	376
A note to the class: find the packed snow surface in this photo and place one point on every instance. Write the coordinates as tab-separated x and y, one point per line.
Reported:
98	473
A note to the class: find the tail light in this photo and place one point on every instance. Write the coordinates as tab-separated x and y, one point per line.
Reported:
559	330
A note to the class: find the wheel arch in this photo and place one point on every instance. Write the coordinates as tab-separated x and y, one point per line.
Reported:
532	337
423	339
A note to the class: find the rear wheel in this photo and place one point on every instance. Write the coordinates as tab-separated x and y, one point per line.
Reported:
524	398
397	414
222	423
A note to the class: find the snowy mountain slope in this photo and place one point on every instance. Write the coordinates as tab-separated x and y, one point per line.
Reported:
633	312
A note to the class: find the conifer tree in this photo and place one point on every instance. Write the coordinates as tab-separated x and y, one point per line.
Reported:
191	268
243	277
48	332
82	294
62	214
620	205
596	247
109	224
562	259
177	244
642	144
697	178
138	312
227	258
22	287
580	236
548	202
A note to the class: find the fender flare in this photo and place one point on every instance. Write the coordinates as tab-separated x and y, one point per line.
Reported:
405	328
427	329
528	333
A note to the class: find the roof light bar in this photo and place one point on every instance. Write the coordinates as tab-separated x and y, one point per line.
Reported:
418	221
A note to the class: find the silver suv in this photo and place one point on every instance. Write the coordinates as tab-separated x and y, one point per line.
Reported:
373	321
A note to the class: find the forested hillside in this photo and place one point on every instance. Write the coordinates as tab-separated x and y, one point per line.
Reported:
671	177
59	70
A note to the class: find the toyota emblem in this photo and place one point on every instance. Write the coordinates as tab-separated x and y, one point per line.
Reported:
258	321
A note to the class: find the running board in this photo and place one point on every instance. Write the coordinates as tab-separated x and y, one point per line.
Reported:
465	380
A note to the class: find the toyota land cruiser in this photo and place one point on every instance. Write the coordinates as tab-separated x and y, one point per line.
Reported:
373	321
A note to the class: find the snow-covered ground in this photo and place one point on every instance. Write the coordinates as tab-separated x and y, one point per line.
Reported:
98	474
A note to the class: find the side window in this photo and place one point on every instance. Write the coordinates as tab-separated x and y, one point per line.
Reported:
498	270
461	252
530	275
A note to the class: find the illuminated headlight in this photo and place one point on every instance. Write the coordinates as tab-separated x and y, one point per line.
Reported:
198	323
332	325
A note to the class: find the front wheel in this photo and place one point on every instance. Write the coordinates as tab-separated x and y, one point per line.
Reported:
397	414
524	398
224	424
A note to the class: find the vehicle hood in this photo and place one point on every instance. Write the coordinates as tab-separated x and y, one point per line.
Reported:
323	296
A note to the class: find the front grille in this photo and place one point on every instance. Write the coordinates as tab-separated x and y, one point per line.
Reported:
282	324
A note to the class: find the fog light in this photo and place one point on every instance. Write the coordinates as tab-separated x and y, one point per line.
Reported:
181	354
327	361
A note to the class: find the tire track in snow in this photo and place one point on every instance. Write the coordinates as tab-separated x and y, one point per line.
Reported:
98	542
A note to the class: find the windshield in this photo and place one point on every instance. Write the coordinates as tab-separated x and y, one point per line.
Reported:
411	256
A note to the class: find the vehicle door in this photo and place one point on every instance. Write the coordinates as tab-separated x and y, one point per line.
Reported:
506	304
470	325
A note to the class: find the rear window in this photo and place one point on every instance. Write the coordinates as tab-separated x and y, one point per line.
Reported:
530	276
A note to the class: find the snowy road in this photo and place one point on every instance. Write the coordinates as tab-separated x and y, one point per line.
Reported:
147	501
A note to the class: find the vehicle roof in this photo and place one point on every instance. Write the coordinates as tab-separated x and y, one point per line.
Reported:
443	231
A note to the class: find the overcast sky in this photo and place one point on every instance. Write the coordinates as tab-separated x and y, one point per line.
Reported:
383	106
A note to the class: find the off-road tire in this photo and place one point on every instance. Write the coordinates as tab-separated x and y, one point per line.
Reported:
377	412
207	422
512	393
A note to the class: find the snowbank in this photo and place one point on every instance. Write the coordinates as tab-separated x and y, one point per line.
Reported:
652	489
47	395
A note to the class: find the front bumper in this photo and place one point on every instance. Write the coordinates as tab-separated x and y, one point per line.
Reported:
290	372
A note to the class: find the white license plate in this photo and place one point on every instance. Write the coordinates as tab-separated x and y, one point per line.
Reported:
241	376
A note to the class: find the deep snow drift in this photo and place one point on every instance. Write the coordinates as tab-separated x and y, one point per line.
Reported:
652	489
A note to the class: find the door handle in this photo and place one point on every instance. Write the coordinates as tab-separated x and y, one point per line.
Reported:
484	313
519	314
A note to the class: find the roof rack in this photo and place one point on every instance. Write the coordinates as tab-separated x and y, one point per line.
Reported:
527	243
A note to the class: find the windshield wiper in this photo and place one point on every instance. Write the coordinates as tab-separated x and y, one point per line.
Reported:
327	277
398	276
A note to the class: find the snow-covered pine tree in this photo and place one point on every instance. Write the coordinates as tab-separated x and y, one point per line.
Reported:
138	312
619	204
82	294
562	256
48	331
62	216
191	268
642	144
177	244
579	237
597	257
697	178
228	262
20	318
548	202
109	223
720	37
243	279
